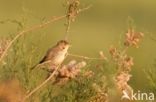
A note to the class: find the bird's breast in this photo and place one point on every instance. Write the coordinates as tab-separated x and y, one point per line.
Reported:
59	58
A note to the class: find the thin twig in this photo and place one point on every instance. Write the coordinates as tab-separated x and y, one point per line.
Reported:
28	30
86	8
67	29
69	20
84	57
124	51
34	28
41	85
31	29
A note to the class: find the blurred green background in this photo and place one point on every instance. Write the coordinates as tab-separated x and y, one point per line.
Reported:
94	30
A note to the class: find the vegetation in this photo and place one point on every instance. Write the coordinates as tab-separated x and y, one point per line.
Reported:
79	78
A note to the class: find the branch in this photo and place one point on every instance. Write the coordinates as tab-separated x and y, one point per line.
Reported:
28	30
35	27
67	29
84	57
71	15
86	8
41	85
31	29
52	75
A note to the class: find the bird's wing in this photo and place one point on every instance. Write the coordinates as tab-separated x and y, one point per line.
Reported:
48	56
43	59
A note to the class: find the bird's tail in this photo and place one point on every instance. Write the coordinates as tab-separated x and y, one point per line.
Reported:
32	68
40	62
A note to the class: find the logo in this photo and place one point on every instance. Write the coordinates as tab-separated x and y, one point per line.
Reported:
138	96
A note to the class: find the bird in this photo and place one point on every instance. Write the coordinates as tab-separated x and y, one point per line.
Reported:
55	55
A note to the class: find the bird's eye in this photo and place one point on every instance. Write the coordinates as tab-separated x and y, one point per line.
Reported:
63	47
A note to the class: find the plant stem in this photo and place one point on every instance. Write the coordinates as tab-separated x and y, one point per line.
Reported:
41	85
84	57
28	30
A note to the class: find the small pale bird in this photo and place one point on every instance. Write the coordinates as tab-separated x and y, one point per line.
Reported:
55	55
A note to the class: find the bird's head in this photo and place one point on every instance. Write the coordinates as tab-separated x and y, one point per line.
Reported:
63	45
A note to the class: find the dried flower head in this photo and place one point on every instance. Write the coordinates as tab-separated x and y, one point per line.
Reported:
124	64
121	80
127	63
88	74
73	9
102	55
123	61
69	71
114	53
133	38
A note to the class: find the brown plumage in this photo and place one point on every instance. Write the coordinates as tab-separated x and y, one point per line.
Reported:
56	54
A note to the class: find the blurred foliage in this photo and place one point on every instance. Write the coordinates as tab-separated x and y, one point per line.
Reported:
151	76
97	28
